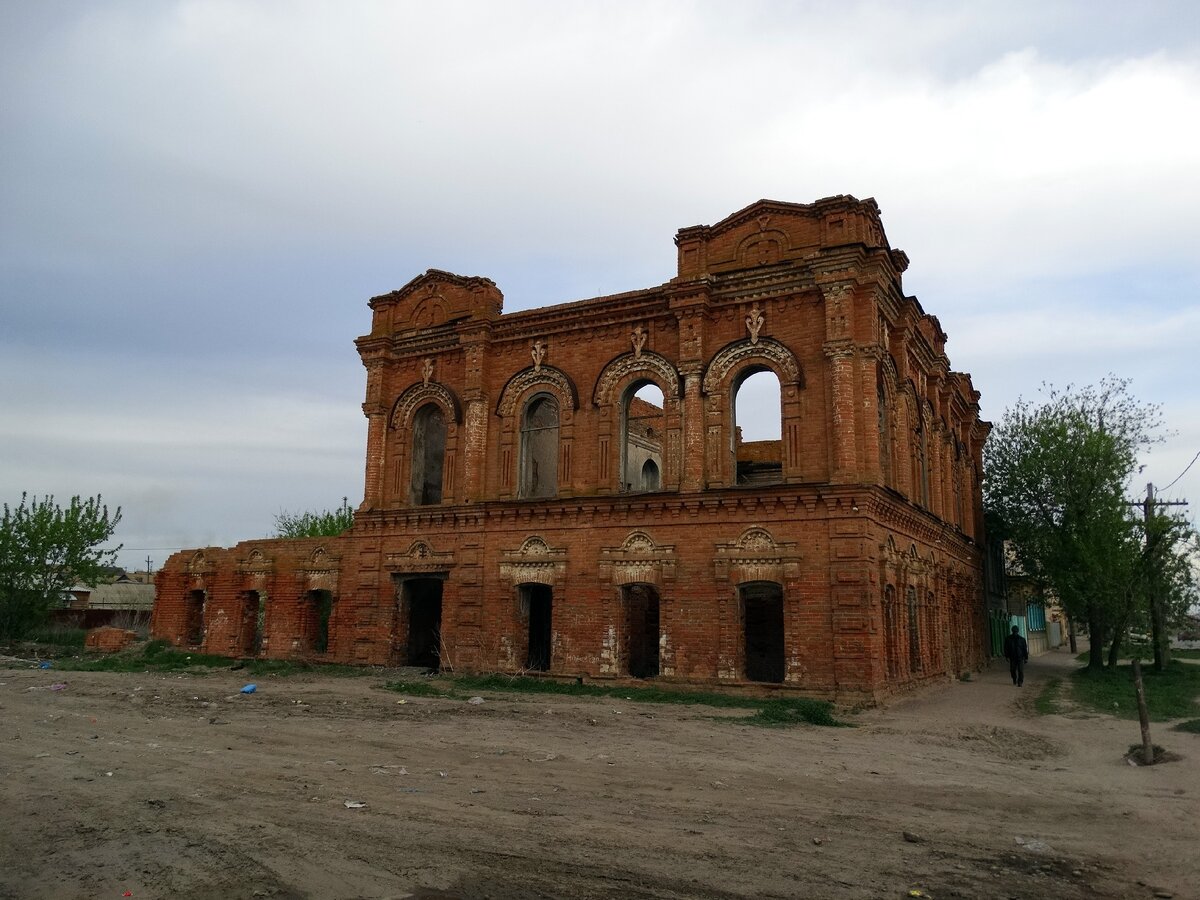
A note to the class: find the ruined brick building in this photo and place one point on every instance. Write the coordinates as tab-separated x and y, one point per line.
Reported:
567	489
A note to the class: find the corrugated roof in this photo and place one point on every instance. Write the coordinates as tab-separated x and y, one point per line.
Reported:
125	595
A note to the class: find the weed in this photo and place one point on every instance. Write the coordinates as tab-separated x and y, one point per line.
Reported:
1046	703
1169	695
60	636
767	711
1191	725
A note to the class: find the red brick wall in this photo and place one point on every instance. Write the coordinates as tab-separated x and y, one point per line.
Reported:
811	293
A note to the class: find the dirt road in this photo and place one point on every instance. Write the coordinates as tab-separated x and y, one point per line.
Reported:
177	786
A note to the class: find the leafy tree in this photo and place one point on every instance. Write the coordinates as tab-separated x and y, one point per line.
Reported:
1057	475
44	549
328	523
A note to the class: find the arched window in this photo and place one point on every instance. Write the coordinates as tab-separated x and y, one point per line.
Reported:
757	432
885	431
920	464
891	632
914	632
428	454
644	427
539	447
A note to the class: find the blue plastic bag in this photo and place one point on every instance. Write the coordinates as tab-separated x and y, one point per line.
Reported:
250	689
45	664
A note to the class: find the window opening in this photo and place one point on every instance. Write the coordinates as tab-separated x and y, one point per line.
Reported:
539	447
757	421
428	455
891	631
914	632
645	428
762	616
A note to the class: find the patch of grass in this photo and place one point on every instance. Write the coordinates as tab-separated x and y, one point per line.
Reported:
419	689
1046	703
1169	695
1191	725
160	656
59	636
767	711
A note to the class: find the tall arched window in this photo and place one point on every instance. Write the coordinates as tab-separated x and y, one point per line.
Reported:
914	632
885	431
757	431
428	455
644	429
891	632
920	464
539	447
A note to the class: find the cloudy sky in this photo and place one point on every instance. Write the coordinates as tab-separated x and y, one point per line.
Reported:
198	198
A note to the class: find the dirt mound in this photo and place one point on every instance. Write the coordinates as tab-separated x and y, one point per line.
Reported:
1009	743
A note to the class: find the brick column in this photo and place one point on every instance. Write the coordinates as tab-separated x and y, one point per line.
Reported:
844	413
693	432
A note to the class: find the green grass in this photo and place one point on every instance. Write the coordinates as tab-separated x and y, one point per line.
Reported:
1046	703
1169	695
767	711
159	656
1144	651
59	636
1191	725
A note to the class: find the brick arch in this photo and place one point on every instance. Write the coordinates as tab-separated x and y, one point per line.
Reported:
510	408
399	449
608	397
548	378
724	370
416	396
649	365
735	357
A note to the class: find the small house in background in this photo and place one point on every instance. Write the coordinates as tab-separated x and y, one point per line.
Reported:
1030	608
126	603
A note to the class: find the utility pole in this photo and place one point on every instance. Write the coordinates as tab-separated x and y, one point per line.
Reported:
148	578
1158	624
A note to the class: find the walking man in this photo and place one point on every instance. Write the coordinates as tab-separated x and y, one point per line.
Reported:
1016	651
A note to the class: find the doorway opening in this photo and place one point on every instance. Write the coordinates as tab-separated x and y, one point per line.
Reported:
422	600
320	612
641	629
193	631
537	602
254	617
762	616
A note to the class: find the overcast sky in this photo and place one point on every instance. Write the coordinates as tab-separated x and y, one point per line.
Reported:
198	198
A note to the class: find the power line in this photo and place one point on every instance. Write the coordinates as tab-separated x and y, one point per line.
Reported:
1184	472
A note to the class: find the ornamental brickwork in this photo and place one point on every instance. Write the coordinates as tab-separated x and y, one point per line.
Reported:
524	510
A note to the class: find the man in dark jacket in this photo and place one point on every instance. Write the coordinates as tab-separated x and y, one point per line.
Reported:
1016	651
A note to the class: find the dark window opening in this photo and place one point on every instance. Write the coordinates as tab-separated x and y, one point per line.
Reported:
193	633
641	629
762	604
537	602
428	454
757	428
891	632
539	448
422	598
254	617
645	427
914	632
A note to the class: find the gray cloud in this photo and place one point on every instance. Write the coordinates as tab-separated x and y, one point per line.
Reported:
197	198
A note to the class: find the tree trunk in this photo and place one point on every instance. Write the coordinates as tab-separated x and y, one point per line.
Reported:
1071	635
1158	632
1143	715
1096	639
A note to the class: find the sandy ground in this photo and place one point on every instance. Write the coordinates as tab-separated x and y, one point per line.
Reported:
176	786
